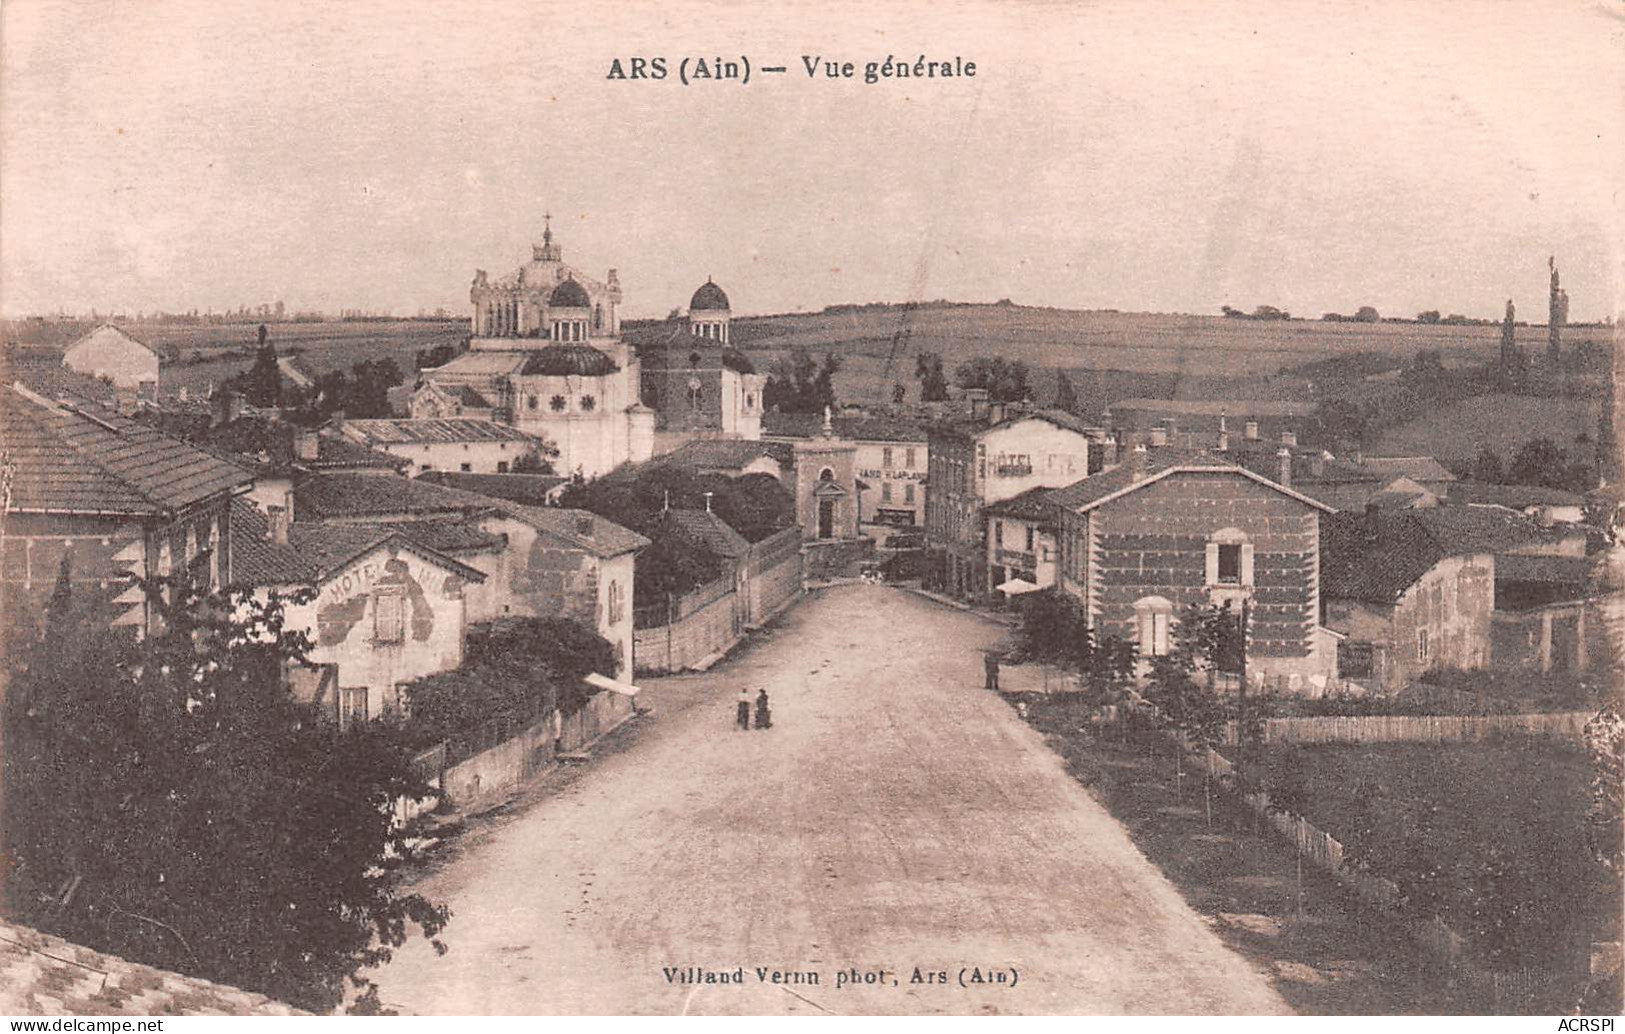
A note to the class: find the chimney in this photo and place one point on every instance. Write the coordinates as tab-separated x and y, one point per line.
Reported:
1109	453
1285	456
977	397
1159	437
277	519
1223	427
995	412
1224	439
1289	439
708	496
1136	459
1251	430
1371	521
306	445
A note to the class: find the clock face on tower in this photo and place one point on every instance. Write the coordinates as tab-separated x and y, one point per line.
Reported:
693	383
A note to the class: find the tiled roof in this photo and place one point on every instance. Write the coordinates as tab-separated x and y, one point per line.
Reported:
1417	468
479	363
55	381
601	537
1554	570
860	428
1159	463
1032	505
87	459
1514	496
1487	529
711	531
268	445
724	453
531	489
470	397
1376	557
429	432
41	975
1240	408
315	550
327	496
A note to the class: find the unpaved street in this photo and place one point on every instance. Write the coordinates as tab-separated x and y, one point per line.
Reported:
897	816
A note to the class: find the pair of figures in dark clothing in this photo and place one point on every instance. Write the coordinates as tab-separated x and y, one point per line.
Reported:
764	713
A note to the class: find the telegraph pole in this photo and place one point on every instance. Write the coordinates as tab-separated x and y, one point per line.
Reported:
1241	693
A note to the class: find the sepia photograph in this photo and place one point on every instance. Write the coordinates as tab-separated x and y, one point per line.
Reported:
1040	508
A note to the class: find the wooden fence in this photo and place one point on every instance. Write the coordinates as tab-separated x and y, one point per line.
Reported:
1445	728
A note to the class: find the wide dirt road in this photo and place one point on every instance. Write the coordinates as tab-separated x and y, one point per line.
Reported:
895	817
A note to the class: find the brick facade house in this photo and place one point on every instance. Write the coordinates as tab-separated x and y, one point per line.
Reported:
1143	541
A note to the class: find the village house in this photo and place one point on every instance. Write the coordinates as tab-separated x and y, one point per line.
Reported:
134	367
733	457
538	561
893	458
1404	599
280	454
384	610
1196	423
530	489
1342	483
462	443
992	456
1021	542
1141	542
94	498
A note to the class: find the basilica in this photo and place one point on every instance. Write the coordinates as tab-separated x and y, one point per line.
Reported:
546	356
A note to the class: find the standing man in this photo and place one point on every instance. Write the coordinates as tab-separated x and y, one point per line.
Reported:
742	712
990	665
764	713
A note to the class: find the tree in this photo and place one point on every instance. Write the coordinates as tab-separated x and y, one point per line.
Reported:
1341	419
223	829
439	355
1487	466
1428	316
1366	314
1005	380
1066	396
898	393
1270	312
800	385
928	371
261	383
539	461
1538	462
823	385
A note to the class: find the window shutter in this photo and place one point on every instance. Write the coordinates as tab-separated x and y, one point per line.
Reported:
1212	563
1246	563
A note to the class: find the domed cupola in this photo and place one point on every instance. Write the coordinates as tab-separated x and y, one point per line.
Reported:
569	295
567	313
709	313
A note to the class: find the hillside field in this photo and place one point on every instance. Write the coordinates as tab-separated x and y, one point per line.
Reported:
1454	433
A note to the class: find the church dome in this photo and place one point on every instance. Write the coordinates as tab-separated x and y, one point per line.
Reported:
709	296
568	295
568	361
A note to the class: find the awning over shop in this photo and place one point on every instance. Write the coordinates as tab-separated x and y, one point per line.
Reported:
613	685
1017	586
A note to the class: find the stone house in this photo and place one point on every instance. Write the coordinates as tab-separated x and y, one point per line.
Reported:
134	367
1021	539
1141	542
990	457
94	497
1404	598
465	444
893	457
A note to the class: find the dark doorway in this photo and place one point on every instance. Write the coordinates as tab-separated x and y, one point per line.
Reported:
826	518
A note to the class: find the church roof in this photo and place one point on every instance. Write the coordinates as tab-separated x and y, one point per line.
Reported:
708	296
569	295
568	361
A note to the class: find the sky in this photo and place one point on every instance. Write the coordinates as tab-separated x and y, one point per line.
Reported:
1146	156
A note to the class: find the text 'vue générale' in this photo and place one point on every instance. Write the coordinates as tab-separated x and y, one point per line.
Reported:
694	70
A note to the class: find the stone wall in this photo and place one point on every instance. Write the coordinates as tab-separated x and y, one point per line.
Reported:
835	558
497	770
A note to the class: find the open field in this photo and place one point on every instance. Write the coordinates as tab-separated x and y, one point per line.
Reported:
1502	823
1455	432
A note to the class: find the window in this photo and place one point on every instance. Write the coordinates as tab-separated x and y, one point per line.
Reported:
388	616
424	467
502	466
352	705
885	457
1229	558
885	491
827	474
588	403
1152	617
693	358
1030	534
617	603
1421	646
695	395
531	401
908	492
908	458
557	403
998	534
466	468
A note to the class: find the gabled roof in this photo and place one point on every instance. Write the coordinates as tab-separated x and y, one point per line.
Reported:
267	446
54	381
41	975
1239	408
315	550
1035	504
432	432
1488	529
109	334
711	531
858	428
1084	495
531	489
724	453
598	536
89	460
1376	557
1417	468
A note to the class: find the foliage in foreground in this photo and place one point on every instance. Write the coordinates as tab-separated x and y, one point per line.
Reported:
170	802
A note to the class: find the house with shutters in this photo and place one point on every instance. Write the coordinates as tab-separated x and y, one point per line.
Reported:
90	496
381	608
1142	541
1021	542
